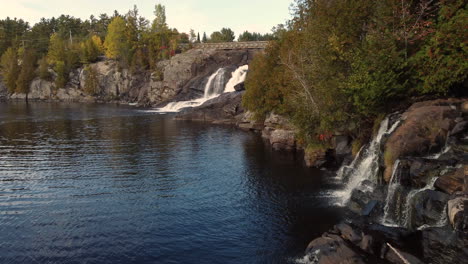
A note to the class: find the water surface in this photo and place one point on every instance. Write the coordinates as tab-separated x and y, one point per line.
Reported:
112	184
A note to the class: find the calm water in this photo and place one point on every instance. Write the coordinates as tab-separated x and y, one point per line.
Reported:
111	184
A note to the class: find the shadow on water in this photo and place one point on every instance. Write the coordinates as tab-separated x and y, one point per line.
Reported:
111	184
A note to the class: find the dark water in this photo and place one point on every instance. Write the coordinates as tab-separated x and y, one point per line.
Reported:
110	184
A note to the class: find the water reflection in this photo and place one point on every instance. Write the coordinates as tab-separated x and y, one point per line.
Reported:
110	184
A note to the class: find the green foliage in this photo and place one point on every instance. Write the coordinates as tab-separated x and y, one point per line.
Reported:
57	49
27	72
10	69
62	74
91	86
90	50
339	65
247	36
443	62
159	22
43	69
225	35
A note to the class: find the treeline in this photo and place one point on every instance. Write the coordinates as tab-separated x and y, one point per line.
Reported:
66	43
340	65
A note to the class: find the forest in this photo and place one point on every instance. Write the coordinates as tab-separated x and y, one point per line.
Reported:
339	66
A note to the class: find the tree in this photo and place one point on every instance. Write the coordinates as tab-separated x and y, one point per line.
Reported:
43	69
10	68
27	72
90	50
62	74
193	36
91	86
198	37
116	42
159	22
57	49
205	38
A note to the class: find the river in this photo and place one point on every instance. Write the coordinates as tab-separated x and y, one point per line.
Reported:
85	183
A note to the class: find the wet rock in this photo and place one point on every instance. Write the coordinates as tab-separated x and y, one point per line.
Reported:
428	208
363	195
460	128
423	131
349	233
442	246
464	107
451	182
332	249
240	87
225	109
397	256
457	214
342	147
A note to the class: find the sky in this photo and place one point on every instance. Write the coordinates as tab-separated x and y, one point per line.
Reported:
200	15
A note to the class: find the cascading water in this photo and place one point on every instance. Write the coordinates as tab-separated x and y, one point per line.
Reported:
213	88
366	164
238	76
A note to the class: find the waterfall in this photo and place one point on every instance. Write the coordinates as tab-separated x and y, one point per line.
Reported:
238	76
214	87
393	197
366	164
215	84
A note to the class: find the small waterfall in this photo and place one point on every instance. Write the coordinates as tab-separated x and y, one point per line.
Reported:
213	88
215	84
392	202
238	76
366	164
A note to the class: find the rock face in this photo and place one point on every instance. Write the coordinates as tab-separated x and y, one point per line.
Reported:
182	77
279	132
427	208
424	131
452	182
225	109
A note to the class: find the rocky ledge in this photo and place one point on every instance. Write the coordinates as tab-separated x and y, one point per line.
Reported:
418	211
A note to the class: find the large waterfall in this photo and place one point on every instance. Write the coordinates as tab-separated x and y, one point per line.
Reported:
214	87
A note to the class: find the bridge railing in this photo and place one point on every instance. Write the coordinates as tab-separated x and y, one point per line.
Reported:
228	45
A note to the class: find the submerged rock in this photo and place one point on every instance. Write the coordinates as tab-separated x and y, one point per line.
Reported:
331	249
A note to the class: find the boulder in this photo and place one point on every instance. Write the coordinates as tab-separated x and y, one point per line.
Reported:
451	182
464	107
248	122
457	215
225	109
442	246
281	139
367	199
428	208
331	249
423	131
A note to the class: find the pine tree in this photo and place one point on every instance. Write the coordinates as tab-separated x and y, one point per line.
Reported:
10	68
205	39
57	49
198	37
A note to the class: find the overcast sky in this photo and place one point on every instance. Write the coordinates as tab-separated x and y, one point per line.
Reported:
201	15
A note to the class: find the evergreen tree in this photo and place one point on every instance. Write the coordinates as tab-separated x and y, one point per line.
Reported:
62	74
57	49
159	22
198	37
205	38
10	69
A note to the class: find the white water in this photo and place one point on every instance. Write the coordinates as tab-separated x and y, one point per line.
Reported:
213	88
392	188
365	166
237	77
